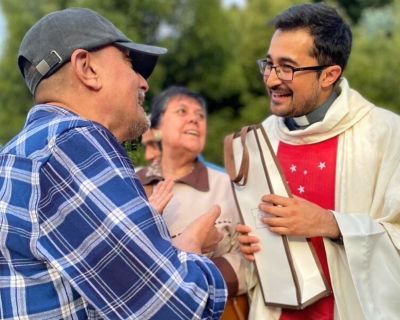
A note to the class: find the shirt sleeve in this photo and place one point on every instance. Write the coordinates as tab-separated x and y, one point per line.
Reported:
100	233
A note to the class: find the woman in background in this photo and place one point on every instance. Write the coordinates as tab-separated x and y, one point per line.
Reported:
178	118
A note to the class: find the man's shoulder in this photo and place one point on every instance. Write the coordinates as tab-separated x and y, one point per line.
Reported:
269	119
381	114
45	126
56	121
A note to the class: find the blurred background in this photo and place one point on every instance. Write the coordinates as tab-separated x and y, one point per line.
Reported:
212	46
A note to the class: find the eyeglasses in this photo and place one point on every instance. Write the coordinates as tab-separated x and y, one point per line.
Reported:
284	73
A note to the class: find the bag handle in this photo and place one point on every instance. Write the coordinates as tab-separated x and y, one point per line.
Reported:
240	179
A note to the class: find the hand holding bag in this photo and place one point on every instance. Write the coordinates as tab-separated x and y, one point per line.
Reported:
287	267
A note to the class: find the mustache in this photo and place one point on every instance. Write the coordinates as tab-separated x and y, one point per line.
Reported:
141	94
280	87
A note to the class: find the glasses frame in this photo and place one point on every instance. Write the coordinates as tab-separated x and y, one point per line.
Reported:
311	68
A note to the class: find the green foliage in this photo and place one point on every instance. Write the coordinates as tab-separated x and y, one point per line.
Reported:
135	151
202	55
224	121
355	9
252	25
212	50
374	63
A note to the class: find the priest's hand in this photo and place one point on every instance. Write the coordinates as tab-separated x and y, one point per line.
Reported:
297	216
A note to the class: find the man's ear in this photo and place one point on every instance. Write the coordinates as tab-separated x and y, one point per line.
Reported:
330	75
84	66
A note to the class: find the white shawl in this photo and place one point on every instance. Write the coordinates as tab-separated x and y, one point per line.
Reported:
365	272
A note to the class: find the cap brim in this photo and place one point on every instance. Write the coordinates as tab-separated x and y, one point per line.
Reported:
144	57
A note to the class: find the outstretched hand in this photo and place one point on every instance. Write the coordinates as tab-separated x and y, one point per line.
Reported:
161	195
201	236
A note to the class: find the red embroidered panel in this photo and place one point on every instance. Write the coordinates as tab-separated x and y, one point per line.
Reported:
310	171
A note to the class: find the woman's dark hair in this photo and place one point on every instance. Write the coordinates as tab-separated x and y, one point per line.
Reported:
159	103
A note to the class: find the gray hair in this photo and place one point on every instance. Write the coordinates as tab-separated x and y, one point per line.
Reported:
159	103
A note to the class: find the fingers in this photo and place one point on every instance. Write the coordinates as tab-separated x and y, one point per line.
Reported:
163	188
274	206
296	216
276	200
214	212
161	195
201	235
248	251
245	239
248	244
165	185
214	235
249	257
211	245
242	228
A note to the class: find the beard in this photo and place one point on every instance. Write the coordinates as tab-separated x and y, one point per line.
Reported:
306	106
299	106
139	125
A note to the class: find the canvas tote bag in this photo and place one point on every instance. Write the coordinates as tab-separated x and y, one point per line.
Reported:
287	267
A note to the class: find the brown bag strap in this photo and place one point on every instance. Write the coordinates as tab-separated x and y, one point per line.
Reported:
240	178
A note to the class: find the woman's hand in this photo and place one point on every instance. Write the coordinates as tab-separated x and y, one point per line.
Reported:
248	244
161	195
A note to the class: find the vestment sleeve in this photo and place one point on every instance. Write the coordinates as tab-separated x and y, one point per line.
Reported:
365	271
100	233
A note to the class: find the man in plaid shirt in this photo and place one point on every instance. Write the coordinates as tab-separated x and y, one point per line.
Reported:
78	238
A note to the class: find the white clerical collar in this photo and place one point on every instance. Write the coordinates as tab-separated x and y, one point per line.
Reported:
301	121
314	116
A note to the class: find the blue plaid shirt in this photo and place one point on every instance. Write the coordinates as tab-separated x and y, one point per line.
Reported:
78	238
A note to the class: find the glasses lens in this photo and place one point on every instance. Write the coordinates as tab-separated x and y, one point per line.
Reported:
261	65
284	73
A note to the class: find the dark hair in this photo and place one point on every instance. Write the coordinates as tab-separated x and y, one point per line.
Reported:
332	35
159	103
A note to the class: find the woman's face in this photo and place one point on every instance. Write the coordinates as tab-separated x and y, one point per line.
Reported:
183	126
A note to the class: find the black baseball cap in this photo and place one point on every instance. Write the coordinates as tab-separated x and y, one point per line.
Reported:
50	42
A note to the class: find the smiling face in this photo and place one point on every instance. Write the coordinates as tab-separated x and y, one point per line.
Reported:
304	93
183	126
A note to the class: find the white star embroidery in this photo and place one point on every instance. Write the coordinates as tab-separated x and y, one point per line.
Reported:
301	189
293	168
305	172
322	165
